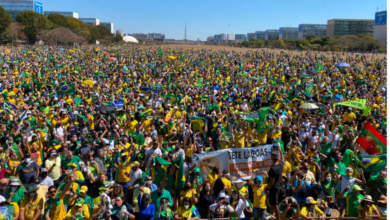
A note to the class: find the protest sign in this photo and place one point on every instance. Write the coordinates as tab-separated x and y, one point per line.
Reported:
240	162
359	104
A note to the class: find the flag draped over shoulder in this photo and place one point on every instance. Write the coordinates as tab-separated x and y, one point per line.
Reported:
66	89
262	123
181	179
197	123
372	141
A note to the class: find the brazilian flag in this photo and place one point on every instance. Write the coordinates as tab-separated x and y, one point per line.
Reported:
181	180
47	86
66	89
319	67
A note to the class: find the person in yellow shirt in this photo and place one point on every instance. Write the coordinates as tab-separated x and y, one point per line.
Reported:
239	138
32	205
239	185
133	125
188	192
226	182
349	116
213	176
124	168
79	211
310	210
367	208
91	122
259	197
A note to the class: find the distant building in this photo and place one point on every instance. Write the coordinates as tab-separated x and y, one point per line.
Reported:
260	35
64	13
318	30
14	7
156	36
230	37
109	25
239	38
288	33
342	27
220	38
271	34
250	36
210	39
90	21
380	28
140	36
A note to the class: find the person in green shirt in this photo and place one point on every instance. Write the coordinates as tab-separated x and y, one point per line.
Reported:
325	146
166	148
337	164
196	179
70	158
353	200
157	173
15	192
160	193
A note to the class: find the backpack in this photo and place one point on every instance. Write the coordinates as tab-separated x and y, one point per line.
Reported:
302	193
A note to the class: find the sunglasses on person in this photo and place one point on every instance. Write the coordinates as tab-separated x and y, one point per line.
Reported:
53	191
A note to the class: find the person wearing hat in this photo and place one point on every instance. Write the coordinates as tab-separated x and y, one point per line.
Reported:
310	210
274	176
80	211
382	206
353	200
14	159
87	199
195	178
15	191
259	196
31	206
123	170
165	148
239	186
367	208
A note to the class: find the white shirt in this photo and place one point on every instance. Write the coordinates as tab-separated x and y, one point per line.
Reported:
336	139
47	182
240	207
134	176
59	131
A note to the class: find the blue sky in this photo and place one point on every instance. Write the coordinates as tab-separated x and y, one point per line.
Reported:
208	17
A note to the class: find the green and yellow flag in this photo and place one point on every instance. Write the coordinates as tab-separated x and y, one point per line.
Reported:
181	179
66	89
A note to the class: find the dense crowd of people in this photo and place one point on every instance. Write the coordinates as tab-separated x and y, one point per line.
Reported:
113	133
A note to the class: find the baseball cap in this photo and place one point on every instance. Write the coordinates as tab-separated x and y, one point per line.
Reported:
196	170
259	178
79	202
43	170
356	187
83	189
310	200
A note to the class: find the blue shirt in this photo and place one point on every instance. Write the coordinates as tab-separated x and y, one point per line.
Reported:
145	212
308	187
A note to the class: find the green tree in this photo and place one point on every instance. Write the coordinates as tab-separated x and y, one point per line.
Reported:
5	20
104	31
118	38
58	21
95	33
32	22
310	37
279	43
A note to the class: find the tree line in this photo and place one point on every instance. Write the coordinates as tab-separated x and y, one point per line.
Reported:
55	29
360	42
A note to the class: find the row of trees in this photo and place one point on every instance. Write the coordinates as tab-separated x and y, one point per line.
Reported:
360	42
54	29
